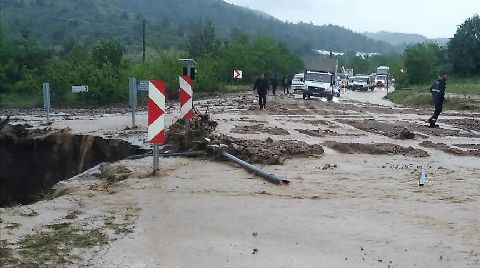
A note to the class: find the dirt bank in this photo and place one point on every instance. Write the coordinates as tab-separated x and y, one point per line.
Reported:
33	161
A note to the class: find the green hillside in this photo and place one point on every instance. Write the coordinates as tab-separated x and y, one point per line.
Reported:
62	22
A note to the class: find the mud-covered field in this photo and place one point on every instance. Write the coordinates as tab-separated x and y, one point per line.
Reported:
353	198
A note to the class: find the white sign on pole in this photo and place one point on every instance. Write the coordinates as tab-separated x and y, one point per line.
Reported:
79	89
237	74
143	85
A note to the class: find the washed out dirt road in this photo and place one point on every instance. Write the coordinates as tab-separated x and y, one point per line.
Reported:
356	203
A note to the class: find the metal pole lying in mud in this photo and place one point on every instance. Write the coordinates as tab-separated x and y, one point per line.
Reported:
257	171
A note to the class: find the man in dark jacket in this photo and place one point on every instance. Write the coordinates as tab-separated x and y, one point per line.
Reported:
261	86
274	84
438	96
285	84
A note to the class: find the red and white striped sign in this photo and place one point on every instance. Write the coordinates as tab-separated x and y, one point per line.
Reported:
186	94
156	111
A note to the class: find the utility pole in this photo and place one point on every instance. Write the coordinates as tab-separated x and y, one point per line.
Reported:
144	23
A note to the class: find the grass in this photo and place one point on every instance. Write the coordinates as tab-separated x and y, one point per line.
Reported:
464	86
54	247
57	244
14	101
51	247
419	95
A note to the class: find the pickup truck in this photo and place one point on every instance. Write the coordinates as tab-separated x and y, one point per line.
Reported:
320	75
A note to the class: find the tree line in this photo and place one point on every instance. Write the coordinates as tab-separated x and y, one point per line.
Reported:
420	63
106	65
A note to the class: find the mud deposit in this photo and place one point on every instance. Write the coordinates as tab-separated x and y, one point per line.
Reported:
396	131
450	150
465	124
268	151
258	129
324	133
183	135
34	161
376	149
389	130
469	146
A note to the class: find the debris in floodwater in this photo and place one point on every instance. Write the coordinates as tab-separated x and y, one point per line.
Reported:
423	177
406	134
190	135
267	152
197	135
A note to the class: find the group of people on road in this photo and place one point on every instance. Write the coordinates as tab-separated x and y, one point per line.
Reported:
262	85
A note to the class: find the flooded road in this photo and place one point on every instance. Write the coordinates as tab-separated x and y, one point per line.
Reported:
357	205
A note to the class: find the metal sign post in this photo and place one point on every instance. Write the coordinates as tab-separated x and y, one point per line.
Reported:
157	91
132	90
156	158
46	99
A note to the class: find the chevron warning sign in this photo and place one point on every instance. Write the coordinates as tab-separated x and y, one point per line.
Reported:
186	94
156	111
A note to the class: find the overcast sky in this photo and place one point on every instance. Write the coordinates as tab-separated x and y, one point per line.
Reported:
432	18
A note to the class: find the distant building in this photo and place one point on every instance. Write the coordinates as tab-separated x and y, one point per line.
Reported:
359	54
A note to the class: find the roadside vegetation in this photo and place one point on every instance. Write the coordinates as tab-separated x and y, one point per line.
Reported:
106	65
420	97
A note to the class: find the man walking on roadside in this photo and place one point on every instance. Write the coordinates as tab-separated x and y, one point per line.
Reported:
438	96
261	86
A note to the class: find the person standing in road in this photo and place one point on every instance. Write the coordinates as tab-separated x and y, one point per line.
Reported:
274	84
438	96
285	85
261	86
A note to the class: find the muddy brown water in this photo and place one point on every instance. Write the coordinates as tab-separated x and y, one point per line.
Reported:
31	165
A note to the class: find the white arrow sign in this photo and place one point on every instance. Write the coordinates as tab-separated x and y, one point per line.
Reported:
237	74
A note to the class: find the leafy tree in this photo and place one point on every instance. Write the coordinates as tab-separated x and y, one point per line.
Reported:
464	47
421	62
108	51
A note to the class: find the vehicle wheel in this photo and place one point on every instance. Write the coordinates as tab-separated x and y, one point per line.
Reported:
330	98
304	96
